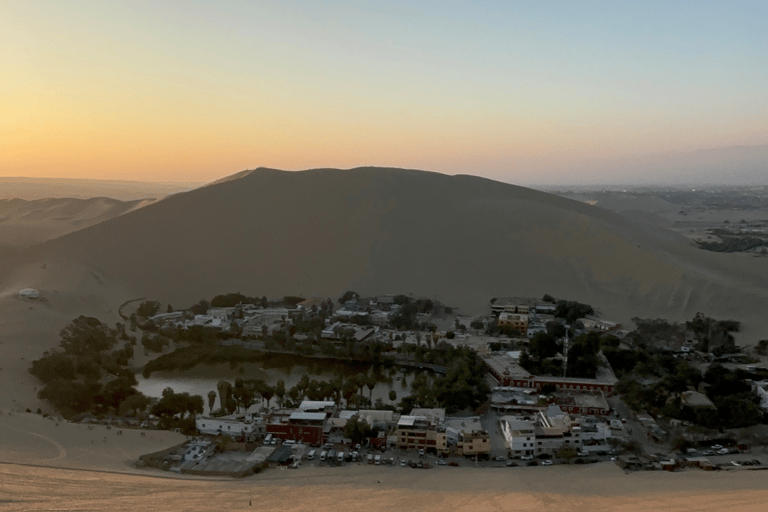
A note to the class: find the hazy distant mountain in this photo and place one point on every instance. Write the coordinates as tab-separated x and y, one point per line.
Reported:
462	239
729	166
41	188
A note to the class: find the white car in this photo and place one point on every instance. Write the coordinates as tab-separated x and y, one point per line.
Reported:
546	462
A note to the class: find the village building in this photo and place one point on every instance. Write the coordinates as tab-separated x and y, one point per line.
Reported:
247	425
422	431
547	432
468	436
307	427
507	372
761	389
513	321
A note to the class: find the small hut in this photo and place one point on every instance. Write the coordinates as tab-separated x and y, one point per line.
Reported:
29	293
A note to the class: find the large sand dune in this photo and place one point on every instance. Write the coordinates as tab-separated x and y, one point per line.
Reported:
462	239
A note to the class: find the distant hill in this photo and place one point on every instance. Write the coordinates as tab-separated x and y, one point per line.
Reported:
44	188
462	239
24	223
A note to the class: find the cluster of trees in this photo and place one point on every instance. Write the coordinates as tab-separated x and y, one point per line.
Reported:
583	359
713	335
734	243
571	311
463	386
735	403
230	300
178	410
406	315
537	358
73	373
358	430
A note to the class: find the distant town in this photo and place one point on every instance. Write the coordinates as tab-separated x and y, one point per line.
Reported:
532	382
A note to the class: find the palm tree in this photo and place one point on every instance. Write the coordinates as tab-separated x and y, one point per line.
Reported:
303	385
280	391
371	383
211	400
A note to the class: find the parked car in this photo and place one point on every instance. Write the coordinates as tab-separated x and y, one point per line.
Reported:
453	463
582	453
377	460
533	463
440	462
402	463
511	464
421	452
527	457
546	462
370	459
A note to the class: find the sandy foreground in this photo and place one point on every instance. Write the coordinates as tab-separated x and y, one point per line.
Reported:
45	466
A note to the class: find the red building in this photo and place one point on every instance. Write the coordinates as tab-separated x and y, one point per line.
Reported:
306	427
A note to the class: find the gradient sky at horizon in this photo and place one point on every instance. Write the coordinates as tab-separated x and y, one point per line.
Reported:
533	93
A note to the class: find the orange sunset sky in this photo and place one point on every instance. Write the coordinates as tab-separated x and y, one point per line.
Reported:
534	93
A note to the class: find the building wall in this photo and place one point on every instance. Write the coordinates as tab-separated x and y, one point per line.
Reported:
477	446
214	426
308	434
408	439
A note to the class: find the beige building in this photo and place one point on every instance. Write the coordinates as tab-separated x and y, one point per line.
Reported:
468	436
514	321
420	432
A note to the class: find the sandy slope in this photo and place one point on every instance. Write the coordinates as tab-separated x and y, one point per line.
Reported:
112	483
29	328
460	238
24	223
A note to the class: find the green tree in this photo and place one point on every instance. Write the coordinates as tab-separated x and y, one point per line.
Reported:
392	396
148	308
52	366
357	429
86	335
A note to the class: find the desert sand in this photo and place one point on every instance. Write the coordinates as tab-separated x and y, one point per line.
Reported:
50	465
460	239
24	223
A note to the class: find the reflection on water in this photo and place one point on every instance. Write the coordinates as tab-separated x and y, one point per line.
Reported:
202	379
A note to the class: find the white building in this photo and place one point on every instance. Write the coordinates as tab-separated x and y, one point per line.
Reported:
29	293
547	433
761	388
234	426
520	435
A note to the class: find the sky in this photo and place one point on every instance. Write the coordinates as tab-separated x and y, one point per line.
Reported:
547	92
